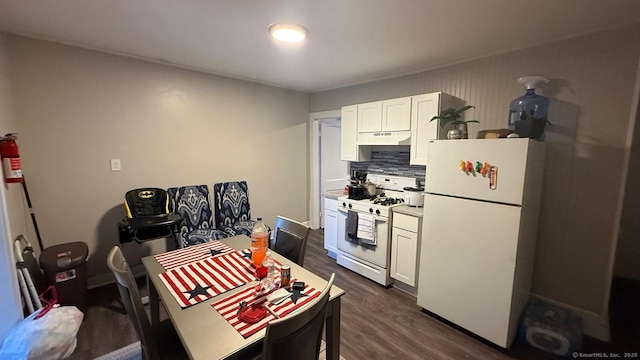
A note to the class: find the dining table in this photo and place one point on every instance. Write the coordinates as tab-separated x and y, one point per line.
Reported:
206	334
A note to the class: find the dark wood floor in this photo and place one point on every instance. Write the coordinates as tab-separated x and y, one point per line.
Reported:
377	322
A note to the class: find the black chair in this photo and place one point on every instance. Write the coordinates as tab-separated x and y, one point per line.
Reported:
290	239
298	336
148	217
158	341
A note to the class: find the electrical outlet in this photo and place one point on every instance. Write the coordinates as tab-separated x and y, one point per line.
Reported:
115	165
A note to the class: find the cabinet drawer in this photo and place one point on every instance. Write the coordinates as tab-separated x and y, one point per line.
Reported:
409	223
331	204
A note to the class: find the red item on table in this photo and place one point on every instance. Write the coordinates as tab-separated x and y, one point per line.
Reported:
261	271
252	313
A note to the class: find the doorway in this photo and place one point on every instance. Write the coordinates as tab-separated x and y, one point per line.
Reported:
328	172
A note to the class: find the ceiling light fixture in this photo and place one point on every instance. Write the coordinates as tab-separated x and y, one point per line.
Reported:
288	32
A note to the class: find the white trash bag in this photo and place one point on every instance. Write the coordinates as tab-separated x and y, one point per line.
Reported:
53	336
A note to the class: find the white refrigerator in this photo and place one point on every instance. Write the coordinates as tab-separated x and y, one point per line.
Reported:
479	232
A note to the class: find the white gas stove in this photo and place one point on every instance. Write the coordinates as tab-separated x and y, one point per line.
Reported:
371	261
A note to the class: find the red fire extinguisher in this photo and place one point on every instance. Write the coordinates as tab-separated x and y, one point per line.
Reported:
10	158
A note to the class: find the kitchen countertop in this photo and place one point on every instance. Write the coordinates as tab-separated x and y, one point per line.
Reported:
408	210
333	194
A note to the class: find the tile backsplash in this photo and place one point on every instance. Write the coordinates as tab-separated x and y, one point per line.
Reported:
390	162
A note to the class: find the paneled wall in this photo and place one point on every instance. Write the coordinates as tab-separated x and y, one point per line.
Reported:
591	89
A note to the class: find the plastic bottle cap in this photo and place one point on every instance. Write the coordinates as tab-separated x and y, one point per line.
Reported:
259	219
532	80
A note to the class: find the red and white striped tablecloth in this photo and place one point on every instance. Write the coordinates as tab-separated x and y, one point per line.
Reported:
200	280
228	308
175	258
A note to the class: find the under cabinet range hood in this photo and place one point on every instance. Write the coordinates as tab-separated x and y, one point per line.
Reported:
384	138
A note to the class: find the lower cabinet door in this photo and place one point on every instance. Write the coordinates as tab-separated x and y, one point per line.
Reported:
404	250
331	231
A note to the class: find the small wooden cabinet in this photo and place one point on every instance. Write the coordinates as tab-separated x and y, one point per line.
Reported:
396	114
331	226
423	108
385	115
349	149
405	235
369	117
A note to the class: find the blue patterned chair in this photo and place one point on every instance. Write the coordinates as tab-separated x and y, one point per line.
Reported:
192	203
232	210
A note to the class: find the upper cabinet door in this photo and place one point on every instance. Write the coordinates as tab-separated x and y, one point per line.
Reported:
423	108
349	133
370	117
396	114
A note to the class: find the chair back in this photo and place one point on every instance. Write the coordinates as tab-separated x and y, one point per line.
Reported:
146	202
132	302
192	203
290	239
298	336
231	203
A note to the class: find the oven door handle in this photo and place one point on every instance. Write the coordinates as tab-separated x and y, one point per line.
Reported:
376	218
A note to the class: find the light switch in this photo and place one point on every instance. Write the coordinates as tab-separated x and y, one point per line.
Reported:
115	165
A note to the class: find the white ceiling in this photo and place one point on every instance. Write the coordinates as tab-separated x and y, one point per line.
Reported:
350	41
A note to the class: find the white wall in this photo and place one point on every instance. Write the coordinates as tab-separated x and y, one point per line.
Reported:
591	88
10	206
76	109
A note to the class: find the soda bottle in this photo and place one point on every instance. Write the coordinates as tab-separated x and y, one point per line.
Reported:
259	242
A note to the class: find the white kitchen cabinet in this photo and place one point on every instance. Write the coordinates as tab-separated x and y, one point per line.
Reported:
396	114
386	115
349	149
404	248
423	108
370	117
331	226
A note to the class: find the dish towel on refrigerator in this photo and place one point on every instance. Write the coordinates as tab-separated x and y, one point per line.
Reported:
367	229
352	226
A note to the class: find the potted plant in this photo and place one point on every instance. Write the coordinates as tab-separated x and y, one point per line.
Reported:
452	116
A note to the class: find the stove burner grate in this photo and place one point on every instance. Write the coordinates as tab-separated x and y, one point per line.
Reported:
387	201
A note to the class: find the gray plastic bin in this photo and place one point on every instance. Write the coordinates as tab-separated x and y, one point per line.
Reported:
65	267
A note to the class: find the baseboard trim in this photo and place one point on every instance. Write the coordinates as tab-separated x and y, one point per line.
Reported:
593	325
408	289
